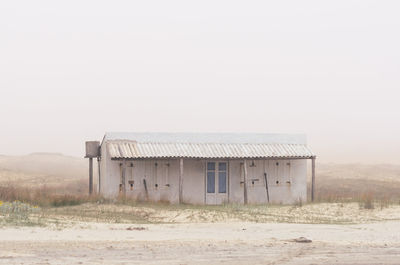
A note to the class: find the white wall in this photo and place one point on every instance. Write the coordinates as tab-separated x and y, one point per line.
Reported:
287	180
194	181
109	175
290	174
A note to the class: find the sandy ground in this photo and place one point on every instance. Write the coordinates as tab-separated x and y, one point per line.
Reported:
201	243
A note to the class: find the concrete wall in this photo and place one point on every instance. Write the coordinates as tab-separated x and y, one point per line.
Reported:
109	175
287	180
194	181
161	177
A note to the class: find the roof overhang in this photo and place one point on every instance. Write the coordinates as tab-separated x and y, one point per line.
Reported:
132	150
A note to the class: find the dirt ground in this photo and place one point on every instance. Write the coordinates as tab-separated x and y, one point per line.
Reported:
202	243
91	233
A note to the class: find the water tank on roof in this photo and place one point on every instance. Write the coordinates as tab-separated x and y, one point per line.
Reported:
92	149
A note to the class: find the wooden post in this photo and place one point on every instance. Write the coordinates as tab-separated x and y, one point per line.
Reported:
180	180
245	181
266	185
145	189
312	179
90	175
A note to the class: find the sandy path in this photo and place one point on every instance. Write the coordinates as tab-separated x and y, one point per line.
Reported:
233	243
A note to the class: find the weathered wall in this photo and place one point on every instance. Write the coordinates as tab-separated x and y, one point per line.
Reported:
161	177
194	181
162	180
102	186
109	175
287	180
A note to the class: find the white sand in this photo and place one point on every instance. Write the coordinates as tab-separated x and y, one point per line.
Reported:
198	243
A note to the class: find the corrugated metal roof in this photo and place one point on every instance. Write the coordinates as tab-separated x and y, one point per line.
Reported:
139	150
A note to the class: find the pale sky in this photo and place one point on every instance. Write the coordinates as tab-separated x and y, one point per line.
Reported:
72	70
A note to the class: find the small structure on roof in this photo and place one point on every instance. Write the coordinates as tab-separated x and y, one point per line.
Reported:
206	168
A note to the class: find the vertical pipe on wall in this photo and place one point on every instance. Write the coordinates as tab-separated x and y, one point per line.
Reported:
228	180
180	180
123	178
312	178
245	181
90	176
122	167
98	183
167	174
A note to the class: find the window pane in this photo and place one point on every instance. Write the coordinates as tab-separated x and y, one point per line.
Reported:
222	166
210	182
222	182
211	166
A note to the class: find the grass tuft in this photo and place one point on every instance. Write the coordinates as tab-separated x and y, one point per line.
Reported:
367	201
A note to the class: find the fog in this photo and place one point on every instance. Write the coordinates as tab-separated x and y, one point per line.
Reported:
72	70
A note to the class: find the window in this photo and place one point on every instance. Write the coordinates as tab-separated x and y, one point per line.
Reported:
210	177
216	175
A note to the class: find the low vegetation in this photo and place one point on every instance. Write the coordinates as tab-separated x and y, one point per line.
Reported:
142	213
44	206
43	196
19	213
344	194
369	185
369	194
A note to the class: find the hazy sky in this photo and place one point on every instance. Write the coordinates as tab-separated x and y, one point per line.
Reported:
71	70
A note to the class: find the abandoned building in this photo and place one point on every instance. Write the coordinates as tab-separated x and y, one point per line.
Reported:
203	168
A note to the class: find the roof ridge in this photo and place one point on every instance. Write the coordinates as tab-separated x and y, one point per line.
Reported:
185	142
155	142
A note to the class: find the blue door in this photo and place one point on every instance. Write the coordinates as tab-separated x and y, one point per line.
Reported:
216	182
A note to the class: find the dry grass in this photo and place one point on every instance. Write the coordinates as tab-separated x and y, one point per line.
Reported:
368	193
141	213
369	185
44	196
344	194
64	210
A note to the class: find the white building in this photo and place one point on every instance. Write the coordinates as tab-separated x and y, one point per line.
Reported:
205	168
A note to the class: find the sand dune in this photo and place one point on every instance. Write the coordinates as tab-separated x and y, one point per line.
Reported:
59	165
46	164
343	180
349	181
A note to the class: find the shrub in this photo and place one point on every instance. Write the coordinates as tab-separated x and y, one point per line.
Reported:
17	213
367	201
